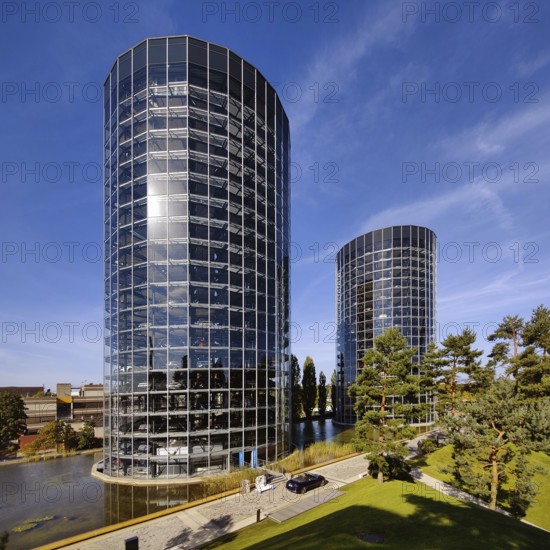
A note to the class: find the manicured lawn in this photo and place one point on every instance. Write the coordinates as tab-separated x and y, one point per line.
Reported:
432	464
406	514
538	513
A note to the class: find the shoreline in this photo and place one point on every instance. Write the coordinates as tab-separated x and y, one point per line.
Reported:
47	456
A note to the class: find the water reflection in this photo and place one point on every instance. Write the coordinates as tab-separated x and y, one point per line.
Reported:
60	489
306	433
77	502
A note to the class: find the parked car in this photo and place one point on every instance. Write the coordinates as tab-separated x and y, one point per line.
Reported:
305	482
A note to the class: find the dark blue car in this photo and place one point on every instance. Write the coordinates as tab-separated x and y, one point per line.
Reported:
305	482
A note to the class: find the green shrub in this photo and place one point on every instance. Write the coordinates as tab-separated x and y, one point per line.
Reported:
427	446
393	467
317	453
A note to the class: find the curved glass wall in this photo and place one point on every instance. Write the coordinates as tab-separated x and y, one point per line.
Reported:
196	160
385	278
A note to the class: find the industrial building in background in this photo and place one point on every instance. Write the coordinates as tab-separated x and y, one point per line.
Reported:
72	404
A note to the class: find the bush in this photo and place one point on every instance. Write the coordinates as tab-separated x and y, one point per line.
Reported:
392	466
426	446
315	454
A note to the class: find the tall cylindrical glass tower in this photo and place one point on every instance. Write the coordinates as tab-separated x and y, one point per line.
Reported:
385	278
196	202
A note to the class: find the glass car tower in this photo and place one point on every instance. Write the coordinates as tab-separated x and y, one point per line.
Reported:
385	278
196	214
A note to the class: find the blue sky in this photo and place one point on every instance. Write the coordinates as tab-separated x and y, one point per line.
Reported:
399	115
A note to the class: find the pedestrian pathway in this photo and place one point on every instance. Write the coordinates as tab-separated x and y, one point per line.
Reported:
303	505
196	526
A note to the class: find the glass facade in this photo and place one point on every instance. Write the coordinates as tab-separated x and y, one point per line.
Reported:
196	214
386	278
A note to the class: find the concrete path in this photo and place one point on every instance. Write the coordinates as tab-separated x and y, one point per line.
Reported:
203	523
303	505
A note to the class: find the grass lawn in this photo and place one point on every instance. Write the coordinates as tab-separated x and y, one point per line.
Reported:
405	514
538	513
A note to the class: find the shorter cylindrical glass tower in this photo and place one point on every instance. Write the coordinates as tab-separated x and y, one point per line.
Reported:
385	278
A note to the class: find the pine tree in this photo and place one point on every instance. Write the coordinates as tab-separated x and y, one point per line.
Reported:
459	358
533	373
489	433
309	387
509	331
386	397
537	330
432	366
529	369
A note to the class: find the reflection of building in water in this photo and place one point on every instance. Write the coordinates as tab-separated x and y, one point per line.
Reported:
196	155
386	278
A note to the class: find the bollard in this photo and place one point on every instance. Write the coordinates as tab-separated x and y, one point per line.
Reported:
131	544
258	515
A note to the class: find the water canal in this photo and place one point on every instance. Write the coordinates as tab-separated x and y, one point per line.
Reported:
63	490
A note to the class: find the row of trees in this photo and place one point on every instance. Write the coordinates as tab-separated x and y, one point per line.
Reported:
495	414
308	394
62	437
57	435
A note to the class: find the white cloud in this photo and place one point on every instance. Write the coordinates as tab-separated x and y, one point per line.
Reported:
338	62
474	197
527	67
494	137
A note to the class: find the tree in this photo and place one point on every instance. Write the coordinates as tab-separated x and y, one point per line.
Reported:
296	389
529	369
86	437
69	438
13	420
509	331
533	373
487	434
322	394
333	398
386	396
537	330
432	368
54	435
458	357
309	387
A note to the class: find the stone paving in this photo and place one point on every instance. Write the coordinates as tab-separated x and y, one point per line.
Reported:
196	526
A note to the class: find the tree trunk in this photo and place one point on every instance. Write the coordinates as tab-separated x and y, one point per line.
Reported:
380	476
494	482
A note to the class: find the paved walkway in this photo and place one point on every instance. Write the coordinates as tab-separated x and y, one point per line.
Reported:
205	522
196	526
